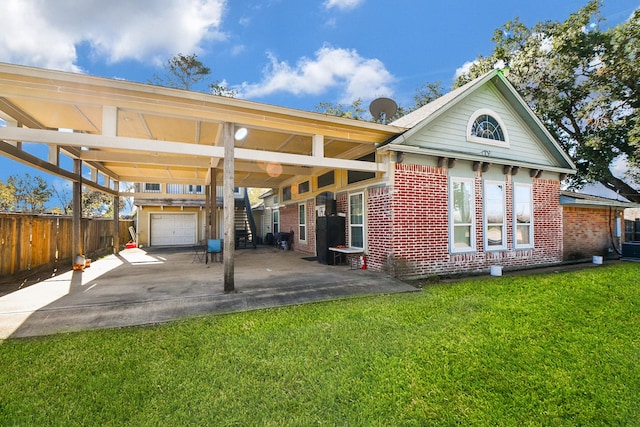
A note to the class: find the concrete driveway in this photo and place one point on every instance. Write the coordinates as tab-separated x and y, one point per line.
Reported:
147	286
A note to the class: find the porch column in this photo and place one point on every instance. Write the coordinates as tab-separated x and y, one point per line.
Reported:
229	207
207	212
76	203
214	204
116	218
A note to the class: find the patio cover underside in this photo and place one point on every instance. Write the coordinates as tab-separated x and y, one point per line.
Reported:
131	132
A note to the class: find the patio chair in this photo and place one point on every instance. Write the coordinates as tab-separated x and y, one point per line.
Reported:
214	247
199	252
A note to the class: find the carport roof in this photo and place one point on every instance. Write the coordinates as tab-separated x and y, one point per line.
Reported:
137	132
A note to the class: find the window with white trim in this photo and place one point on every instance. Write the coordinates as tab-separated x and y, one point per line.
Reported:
356	220
486	127
276	222
523	215
495	237
462	215
151	187
302	222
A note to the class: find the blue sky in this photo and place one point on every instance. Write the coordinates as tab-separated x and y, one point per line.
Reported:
290	53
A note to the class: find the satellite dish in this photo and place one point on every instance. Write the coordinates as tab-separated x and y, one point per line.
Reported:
382	108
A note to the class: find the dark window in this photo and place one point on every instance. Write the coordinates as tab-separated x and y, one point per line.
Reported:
357	176
487	127
286	193
303	187
151	187
326	179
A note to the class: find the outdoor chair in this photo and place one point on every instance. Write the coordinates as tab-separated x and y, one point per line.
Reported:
214	247
199	252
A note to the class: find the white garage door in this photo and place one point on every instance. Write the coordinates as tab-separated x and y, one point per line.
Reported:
173	229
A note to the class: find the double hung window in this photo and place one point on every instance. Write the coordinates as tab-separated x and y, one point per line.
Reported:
494	216
462	215
523	216
356	220
302	222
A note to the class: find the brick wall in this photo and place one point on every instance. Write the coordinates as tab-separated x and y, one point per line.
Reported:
587	232
379	228
419	232
547	221
419	220
289	221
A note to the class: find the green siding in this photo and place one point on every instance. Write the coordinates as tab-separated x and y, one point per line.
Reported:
448	131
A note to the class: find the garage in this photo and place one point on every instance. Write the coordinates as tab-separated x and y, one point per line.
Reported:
169	229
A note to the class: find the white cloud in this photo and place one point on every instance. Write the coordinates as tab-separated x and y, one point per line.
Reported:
46	34
332	68
343	4
464	69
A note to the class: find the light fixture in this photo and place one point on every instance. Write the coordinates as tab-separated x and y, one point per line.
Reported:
241	133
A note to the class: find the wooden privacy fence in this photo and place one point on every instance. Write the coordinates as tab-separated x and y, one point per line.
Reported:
32	241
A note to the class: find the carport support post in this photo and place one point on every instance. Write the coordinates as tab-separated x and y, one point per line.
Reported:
213	206
116	218
229	207
76	233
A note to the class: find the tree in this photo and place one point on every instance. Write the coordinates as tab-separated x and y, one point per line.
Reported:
24	193
7	195
182	72
582	82
424	95
217	88
354	111
188	72
95	204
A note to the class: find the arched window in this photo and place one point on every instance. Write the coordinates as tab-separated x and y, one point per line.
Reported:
486	127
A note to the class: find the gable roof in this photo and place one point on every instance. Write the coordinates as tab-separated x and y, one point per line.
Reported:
420	118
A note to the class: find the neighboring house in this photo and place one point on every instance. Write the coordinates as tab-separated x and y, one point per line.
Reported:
592	225
270	216
175	214
473	182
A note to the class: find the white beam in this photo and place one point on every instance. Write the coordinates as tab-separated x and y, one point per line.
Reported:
318	146
54	155
170	147
109	120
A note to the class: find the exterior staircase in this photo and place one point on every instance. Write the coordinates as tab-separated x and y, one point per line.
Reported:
244	223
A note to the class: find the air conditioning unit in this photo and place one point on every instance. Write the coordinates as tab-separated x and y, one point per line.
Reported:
631	250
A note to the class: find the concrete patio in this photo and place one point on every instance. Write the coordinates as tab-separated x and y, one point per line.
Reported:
148	286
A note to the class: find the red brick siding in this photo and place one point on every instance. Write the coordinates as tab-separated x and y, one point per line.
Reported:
418	226
547	221
379	227
289	221
587	232
419	220
342	207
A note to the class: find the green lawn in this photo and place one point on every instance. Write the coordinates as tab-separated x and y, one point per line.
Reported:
558	349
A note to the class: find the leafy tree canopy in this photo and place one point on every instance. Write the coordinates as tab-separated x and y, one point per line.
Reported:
424	95
582	81
189	73
24	193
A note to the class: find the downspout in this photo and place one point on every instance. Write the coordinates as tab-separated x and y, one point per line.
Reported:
613	242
